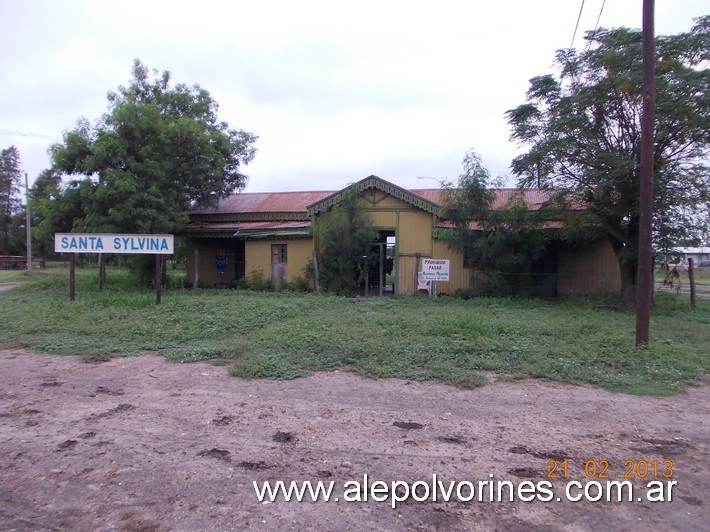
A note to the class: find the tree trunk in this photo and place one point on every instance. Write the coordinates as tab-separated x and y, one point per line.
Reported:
628	266
628	282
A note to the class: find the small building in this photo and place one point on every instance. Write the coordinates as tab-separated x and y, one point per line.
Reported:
271	235
698	255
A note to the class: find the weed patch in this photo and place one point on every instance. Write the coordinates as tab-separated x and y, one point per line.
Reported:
288	335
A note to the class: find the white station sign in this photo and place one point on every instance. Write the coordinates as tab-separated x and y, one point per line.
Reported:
114	243
435	269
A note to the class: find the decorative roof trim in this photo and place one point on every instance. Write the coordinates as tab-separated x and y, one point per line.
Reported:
378	183
250	217
250	234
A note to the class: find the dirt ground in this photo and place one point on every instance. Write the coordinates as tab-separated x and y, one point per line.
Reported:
143	444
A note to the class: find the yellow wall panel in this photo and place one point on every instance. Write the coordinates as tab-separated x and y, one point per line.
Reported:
258	257
298	252
384	219
588	270
459	277
414	232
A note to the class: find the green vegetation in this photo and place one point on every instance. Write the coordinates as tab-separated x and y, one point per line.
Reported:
581	127
287	335
343	234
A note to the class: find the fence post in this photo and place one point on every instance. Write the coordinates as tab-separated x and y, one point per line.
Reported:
691	278
196	280
316	281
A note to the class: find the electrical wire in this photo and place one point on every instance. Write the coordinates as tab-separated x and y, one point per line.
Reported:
576	27
23	134
596	26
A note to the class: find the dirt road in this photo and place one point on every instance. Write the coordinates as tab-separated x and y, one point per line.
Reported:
142	444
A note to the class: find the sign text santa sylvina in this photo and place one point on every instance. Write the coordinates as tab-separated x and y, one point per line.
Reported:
435	269
113	243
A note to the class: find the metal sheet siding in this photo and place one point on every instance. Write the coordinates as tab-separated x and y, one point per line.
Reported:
391	202
384	219
406	274
258	257
591	269
414	232
298	253
459	277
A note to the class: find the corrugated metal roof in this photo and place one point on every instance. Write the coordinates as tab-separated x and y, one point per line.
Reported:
250	226
475	225
534	198
265	202
275	202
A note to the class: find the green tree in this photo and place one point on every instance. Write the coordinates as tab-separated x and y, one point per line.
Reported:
10	204
58	208
499	243
157	151
470	198
583	132
343	234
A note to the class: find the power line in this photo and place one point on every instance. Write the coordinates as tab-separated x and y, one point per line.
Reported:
576	27
596	26
24	134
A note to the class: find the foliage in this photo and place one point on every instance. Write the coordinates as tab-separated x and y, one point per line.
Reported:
257	281
342	236
583	134
500	244
10	204
299	284
269	366
471	197
44	189
282	335
157	151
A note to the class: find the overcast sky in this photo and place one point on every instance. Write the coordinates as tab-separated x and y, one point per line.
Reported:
336	91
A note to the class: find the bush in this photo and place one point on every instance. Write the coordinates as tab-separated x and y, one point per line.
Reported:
299	284
257	281
267	367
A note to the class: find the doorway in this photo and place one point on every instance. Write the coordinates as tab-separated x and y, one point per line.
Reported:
378	266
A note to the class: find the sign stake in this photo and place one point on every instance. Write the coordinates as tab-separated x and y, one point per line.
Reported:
157	279
72	287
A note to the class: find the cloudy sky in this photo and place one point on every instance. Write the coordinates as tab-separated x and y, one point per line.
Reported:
336	91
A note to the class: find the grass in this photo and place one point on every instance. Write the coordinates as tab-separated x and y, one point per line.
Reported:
288	335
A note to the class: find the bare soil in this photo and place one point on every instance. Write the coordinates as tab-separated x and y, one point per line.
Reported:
143	444
8	286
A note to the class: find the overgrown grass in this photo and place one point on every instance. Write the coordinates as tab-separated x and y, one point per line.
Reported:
286	335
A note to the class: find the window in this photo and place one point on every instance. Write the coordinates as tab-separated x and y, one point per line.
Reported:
278	254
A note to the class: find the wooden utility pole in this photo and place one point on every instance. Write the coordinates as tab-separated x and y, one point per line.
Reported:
644	282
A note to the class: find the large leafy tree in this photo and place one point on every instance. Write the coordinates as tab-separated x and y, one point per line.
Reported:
343	234
10	204
500	244
57	208
582	128
156	151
